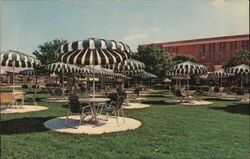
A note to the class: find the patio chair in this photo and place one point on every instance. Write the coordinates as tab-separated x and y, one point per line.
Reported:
114	107
198	94
75	107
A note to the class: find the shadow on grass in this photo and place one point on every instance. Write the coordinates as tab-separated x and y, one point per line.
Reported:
217	99
23	125
65	106
31	100
158	102
243	109
152	95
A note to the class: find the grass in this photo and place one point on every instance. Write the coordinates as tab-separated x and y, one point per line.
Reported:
219	131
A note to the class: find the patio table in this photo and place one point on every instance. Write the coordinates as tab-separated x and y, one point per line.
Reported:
92	102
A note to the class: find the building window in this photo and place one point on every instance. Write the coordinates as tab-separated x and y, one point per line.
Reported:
222	47
233	46
167	49
211	52
247	45
243	45
202	51
176	50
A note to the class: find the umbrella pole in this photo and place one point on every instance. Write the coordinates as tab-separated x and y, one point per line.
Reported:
62	84
241	82
34	96
93	82
188	88
220	82
13	89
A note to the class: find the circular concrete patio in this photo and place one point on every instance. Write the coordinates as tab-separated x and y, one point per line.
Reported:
135	106
196	102
90	128
22	109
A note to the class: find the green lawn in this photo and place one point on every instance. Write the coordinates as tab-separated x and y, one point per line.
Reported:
219	131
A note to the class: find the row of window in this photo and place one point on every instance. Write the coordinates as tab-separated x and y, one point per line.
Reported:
222	48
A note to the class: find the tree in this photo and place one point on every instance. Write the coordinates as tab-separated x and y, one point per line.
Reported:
154	58
46	51
182	58
240	57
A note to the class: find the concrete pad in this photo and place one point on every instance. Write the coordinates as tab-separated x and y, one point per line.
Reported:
172	101
23	109
229	98
135	106
244	101
195	102
168	96
90	128
136	99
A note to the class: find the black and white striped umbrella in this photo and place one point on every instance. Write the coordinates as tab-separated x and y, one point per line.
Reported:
29	72
147	75
239	70
127	65
130	72
188	68
13	58
93	52
63	68
88	71
218	74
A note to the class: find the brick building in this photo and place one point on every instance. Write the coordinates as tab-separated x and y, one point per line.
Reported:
212	52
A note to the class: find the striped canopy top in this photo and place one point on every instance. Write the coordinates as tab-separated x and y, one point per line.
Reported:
60	67
240	69
218	74
30	72
93	52
130	72
129	64
13	58
188	68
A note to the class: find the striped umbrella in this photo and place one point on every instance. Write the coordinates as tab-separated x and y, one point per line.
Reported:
127	65
32	72
88	71
13	58
29	72
219	74
188	68
63	68
93	52
241	70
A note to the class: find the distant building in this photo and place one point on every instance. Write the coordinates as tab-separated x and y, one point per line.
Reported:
212	52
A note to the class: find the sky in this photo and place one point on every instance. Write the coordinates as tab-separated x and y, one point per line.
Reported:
26	24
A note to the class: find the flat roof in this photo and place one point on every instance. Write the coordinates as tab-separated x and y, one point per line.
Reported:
204	40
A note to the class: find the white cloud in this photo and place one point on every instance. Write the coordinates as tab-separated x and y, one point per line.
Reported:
135	37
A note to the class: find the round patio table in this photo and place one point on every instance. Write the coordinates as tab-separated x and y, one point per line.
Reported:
92	102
